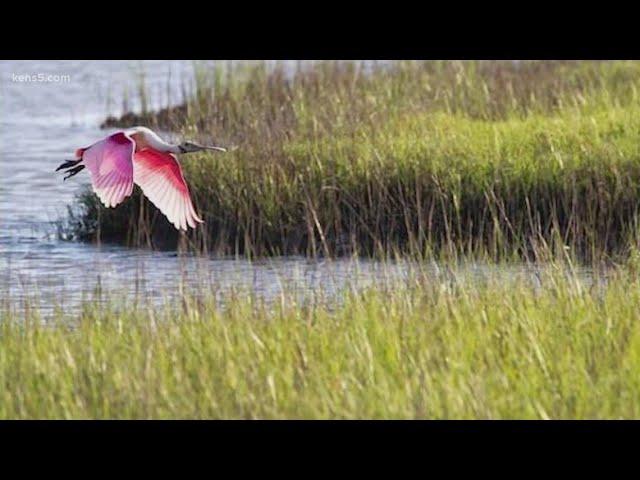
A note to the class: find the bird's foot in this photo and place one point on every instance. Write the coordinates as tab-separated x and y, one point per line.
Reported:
73	171
68	164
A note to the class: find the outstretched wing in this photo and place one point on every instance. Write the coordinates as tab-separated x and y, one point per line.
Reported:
110	163
160	177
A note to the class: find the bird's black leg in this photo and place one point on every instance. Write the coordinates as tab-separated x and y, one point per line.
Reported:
73	171
68	164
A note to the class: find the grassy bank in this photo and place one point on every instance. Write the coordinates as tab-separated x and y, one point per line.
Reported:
493	159
555	348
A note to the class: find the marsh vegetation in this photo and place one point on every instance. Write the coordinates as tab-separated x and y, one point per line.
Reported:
437	163
556	348
489	159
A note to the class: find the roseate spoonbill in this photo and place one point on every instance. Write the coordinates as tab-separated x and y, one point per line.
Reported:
138	155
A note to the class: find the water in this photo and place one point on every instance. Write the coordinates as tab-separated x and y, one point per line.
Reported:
41	124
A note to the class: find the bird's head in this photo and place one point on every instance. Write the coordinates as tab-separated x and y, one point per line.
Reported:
189	147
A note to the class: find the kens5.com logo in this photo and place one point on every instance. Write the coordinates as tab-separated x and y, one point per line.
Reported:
40	78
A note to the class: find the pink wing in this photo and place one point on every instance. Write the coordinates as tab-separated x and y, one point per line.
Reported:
110	162
160	177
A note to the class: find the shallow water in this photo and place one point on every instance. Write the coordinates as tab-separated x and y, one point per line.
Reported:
42	123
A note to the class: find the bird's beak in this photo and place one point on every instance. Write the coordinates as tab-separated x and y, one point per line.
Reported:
213	147
190	147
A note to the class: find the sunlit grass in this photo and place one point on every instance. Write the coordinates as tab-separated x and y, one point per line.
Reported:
559	346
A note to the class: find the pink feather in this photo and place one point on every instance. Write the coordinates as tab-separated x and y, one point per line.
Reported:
110	163
161	179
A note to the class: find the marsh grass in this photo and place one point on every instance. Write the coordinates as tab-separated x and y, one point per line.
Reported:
557	347
488	159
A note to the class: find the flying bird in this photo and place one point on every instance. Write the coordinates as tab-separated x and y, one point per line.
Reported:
138	155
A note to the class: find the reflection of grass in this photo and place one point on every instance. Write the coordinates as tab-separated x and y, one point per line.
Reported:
562	349
458	157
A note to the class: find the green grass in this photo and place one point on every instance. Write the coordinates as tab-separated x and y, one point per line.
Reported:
456	161
488	159
428	349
